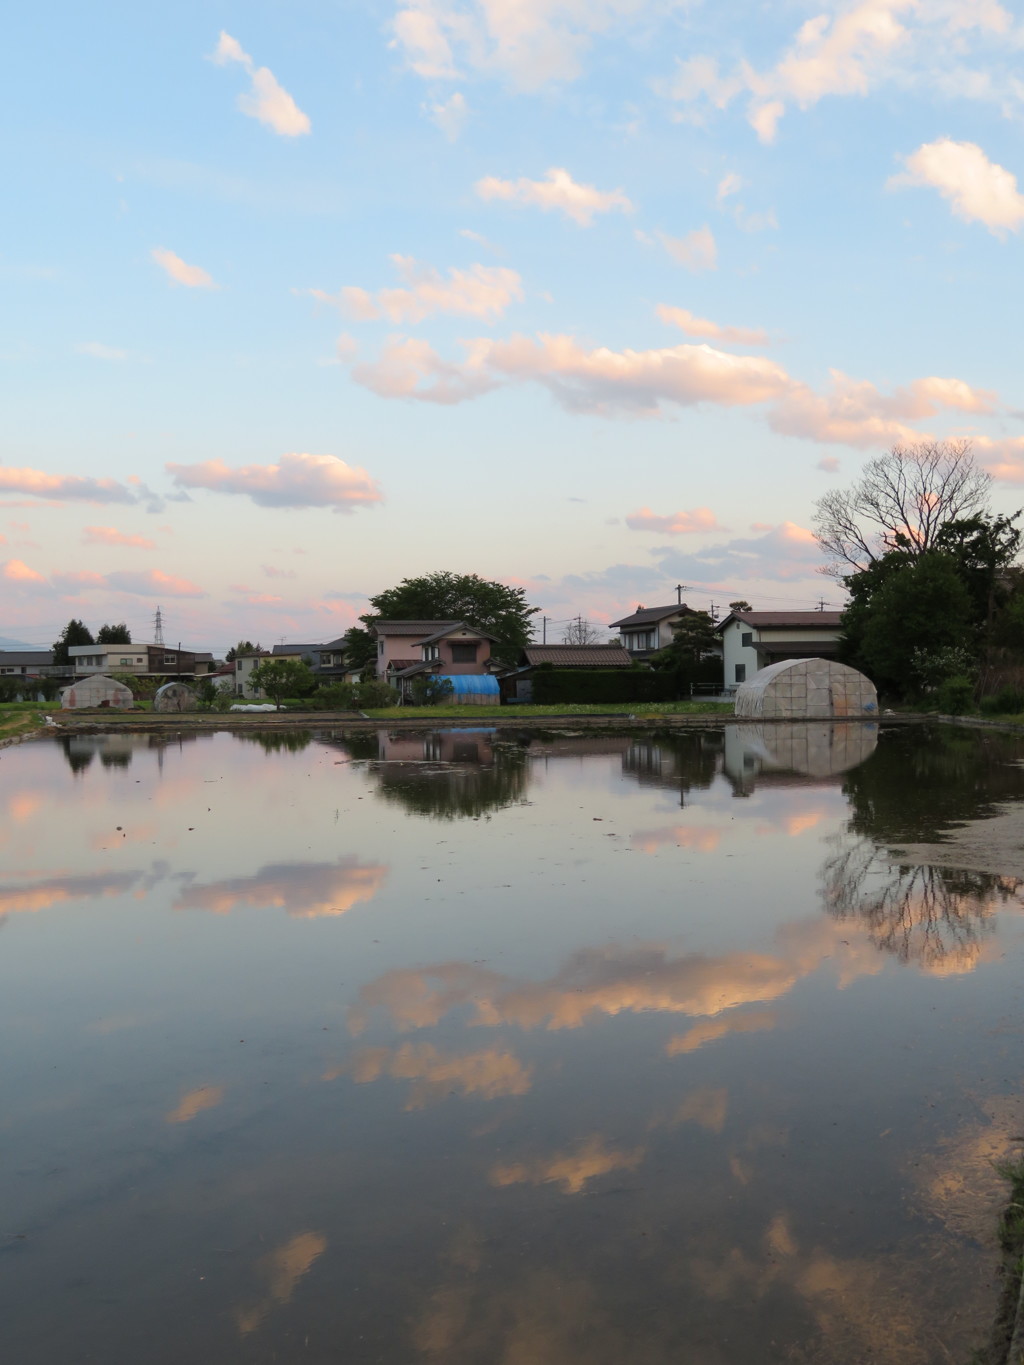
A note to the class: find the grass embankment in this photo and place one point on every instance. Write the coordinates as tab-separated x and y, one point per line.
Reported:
1006	1345
22	717
652	709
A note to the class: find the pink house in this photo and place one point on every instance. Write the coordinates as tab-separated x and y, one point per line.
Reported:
453	649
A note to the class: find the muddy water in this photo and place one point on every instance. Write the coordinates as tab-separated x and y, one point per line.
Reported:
473	1048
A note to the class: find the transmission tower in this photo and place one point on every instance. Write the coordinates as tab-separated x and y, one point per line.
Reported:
158	627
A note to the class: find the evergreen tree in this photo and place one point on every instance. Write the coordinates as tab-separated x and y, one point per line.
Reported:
74	633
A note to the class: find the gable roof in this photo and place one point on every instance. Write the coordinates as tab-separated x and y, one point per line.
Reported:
578	656
296	649
648	615
421	628
457	625
42	658
782	620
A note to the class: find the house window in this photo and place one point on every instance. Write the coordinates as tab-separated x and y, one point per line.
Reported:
126	662
431	652
741	673
463	653
380	646
642	640
170	658
747	639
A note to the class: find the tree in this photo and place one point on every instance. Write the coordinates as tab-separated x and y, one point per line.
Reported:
280	678
74	633
360	648
901	501
486	605
693	639
114	635
741	605
243	647
914	609
580	632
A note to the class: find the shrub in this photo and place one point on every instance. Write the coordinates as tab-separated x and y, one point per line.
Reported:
352	696
559	687
955	696
1008	701
429	690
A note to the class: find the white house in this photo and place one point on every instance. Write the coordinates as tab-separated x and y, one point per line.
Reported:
753	639
649	629
244	665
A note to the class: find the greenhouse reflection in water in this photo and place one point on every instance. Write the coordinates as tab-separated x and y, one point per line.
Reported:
497	1045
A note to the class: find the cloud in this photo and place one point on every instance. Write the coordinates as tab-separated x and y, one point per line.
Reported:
829	464
109	535
572	1170
64	487
676	523
711	1030
149	583
267	100
643	383
728	185
272	571
31	897
697	251
1002	457
98	351
707	330
297	480
195	1101
191	276
15	571
978	190
784	553
848	54
489	1074
482	292
529	44
449	115
557	191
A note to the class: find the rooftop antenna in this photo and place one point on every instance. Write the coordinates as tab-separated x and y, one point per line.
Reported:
158	627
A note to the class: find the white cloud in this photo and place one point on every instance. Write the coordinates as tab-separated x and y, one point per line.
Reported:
191	276
482	292
266	100
978	190
697	251
728	185
528	43
450	115
646	383
556	191
706	330
297	480
700	519
849	53
98	351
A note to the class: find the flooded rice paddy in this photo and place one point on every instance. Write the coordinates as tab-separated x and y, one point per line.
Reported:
493	1049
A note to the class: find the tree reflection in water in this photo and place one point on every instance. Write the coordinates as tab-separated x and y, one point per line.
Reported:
277	741
935	917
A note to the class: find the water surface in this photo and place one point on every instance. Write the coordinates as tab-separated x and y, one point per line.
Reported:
474	1047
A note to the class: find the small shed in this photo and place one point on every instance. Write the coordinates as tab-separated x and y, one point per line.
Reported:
807	689
174	696
97	690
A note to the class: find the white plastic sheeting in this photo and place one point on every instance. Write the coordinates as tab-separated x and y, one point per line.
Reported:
807	689
97	690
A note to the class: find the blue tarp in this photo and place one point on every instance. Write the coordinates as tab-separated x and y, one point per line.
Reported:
475	684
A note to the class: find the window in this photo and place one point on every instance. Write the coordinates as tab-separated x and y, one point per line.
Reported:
641	640
380	646
126	662
741	673
430	652
747	639
170	658
463	652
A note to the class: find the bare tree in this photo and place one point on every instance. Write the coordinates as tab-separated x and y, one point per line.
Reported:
901	501
580	632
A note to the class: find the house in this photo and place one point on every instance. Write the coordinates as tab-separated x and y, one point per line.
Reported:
244	665
158	660
753	639
327	661
455	650
517	682
27	663
650	628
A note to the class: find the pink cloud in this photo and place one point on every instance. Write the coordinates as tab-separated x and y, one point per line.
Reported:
557	191
829	464
109	535
150	583
706	330
1002	457
63	487
180	272
253	596
676	523
298	480
481	292
17	572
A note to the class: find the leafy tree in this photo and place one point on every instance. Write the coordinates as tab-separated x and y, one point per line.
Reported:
430	690
905	611
486	605
243	647
280	678
901	501
741	605
74	633
360	648
693	638
982	546
114	635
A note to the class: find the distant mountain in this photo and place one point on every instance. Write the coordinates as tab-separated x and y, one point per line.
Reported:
7	643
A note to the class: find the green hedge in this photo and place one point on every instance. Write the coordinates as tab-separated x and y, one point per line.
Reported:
563	686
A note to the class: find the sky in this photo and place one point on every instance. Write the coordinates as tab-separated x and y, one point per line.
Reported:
594	297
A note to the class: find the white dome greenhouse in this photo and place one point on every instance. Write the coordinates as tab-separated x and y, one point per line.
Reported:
97	690
807	689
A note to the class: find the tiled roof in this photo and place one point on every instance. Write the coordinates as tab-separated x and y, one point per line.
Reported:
457	625
420	628
648	615
398	664
297	649
578	656
779	620
21	658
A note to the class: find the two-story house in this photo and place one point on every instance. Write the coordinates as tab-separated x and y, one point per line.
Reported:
327	661
450	649
162	660
649	629
753	639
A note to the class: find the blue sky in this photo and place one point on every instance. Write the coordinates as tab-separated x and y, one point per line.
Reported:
590	297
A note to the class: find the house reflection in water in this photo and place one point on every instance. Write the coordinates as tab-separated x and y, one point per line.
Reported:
795	753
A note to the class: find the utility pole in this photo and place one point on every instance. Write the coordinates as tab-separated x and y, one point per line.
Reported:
679	594
821	604
544	636
713	613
